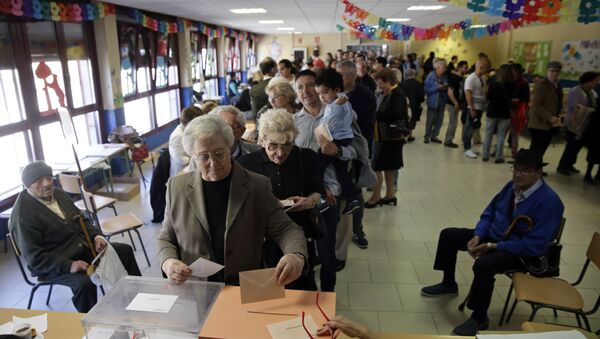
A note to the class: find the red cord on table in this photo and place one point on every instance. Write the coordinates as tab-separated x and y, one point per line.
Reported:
306	329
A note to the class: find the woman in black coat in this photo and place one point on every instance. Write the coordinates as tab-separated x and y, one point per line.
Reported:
295	180
387	154
591	138
499	96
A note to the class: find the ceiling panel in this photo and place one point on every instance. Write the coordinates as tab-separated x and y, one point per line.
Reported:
306	16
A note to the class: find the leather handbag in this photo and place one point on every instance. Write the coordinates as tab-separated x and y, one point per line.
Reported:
390	131
545	265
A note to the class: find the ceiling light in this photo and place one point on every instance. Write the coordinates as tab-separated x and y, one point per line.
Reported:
247	10
425	8
477	26
295	33
285	28
398	19
266	22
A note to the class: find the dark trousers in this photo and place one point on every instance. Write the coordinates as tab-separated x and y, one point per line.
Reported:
85	295
414	117
540	139
326	249
485	267
357	216
572	148
349	190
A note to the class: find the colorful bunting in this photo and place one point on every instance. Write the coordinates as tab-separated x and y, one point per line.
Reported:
56	11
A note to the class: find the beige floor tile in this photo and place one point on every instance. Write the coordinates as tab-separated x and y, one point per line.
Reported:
374	297
341	296
407	250
437	206
419	233
376	250
393	271
367	318
430	218
413	301
356	270
378	232
406	322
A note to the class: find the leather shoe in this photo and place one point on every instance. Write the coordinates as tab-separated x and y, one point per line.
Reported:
563	171
436	140
339	265
439	289
470	327
450	144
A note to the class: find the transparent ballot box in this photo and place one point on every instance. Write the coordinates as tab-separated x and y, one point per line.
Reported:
151	308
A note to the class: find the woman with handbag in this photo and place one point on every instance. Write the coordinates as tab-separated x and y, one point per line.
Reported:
295	180
389	137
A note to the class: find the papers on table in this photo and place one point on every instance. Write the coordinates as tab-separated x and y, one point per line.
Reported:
204	268
149	302
292	329
259	285
39	322
540	335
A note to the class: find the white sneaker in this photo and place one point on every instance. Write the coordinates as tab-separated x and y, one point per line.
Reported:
470	154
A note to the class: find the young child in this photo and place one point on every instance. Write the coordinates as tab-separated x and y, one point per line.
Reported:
337	118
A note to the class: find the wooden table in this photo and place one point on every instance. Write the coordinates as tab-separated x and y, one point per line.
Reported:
61	325
230	319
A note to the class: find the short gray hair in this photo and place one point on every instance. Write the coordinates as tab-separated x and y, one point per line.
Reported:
277	121
349	64
438	61
410	73
240	118
281	86
203	127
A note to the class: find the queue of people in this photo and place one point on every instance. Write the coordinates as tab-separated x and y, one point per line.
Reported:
224	200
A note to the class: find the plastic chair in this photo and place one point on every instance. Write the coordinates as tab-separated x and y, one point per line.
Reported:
72	184
120	224
557	293
35	285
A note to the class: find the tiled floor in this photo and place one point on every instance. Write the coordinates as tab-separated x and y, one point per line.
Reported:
380	286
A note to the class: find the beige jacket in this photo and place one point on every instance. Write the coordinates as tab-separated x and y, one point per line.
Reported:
253	213
544	105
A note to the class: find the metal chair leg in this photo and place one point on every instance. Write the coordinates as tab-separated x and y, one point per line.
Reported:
131	239
555	313
49	294
33	290
587	323
578	320
102	290
143	247
114	209
533	312
512	309
510	289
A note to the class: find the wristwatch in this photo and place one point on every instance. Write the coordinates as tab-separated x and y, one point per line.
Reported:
305	267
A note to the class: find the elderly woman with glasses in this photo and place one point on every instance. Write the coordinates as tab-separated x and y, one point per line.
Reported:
294	178
222	212
281	95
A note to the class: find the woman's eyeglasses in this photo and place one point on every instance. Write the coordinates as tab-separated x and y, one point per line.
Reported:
273	146
219	155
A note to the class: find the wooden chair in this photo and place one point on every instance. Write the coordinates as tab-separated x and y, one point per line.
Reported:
72	184
120	224
557	293
529	326
34	284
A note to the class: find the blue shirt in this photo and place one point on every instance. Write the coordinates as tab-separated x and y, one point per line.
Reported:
539	203
338	119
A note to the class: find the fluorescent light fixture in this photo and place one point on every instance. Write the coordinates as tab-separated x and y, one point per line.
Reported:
295	33
248	10
425	8
267	22
398	19
285	28
477	26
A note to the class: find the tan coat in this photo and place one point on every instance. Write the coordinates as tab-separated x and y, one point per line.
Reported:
545	102
253	213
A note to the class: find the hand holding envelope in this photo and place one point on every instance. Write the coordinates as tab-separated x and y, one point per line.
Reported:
259	285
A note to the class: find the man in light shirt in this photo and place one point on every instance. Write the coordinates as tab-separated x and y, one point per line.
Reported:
475	95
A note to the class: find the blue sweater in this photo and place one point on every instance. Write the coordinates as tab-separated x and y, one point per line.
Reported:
435	97
543	207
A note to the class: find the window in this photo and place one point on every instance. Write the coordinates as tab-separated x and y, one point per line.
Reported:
209	58
250	54
79	66
13	147
11	101
149	76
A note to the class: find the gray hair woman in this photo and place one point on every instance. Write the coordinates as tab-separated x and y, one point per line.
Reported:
222	212
294	177
281	94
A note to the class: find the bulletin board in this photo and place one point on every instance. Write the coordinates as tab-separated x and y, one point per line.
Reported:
533	56
579	56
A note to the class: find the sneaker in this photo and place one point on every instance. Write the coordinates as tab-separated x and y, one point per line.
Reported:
351	206
322	206
470	327
439	289
410	139
563	171
499	161
426	141
359	240
485	159
450	144
339	265
436	140
470	154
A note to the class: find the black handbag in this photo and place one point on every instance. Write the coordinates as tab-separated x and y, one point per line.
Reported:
396	130
545	265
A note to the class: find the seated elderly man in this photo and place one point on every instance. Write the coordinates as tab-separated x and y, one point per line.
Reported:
222	212
495	246
45	225
237	121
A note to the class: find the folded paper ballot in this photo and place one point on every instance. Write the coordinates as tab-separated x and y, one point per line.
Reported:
259	285
203	268
151	302
324	131
293	329
537	335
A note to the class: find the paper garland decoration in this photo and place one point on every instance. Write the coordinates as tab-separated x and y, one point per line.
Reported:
56	11
545	11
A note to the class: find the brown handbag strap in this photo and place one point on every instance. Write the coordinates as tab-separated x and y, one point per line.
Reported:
87	236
